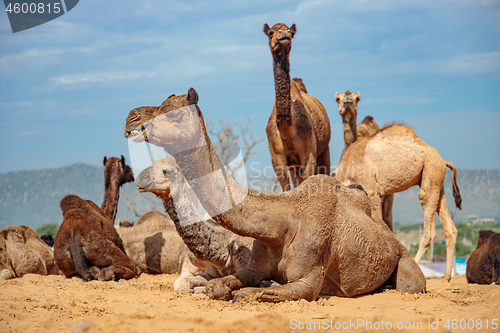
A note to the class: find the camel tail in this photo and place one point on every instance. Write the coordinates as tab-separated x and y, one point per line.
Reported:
78	261
456	190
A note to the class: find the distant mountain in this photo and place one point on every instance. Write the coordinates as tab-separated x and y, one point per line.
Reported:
32	197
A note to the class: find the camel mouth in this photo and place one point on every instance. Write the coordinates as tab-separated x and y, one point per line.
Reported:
285	38
138	136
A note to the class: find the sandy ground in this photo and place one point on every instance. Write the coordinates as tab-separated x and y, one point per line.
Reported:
148	304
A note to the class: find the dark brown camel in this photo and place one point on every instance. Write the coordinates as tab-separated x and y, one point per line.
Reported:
348	110
316	239
116	173
87	244
483	266
298	130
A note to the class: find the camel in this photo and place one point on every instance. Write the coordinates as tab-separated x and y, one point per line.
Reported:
124	224
222	251
316	239
392	161
483	266
116	174
348	109
298	130
23	252
87	244
154	245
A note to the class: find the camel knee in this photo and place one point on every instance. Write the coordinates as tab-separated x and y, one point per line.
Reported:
182	285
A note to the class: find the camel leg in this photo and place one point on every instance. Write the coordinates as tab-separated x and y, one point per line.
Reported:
323	163
429	198
387	202
450	232
293	291
296	176
281	169
113	262
309	165
375	205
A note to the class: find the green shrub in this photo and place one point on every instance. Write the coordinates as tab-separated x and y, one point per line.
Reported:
47	228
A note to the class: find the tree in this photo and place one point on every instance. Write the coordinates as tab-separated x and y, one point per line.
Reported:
47	228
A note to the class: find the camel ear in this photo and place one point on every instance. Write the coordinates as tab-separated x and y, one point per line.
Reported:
123	161
358	96
337	97
192	96
293	29
266	29
105	160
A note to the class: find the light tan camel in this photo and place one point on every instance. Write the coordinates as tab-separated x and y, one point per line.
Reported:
394	160
222	251
348	110
154	245
298	130
23	252
316	239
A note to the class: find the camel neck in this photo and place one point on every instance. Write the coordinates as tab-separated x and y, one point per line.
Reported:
203	238
229	203
281	67
111	195
350	132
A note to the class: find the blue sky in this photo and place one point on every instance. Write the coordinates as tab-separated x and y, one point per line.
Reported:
67	86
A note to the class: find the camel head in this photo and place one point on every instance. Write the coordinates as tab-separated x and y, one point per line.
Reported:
176	125
116	167
348	103
280	37
163	178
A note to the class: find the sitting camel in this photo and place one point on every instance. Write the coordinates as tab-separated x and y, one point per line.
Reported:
23	252
348	109
154	245
316	239
392	161
222	251
483	266
298	130
125	224
87	244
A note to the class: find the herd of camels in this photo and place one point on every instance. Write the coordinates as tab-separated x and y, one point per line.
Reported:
331	234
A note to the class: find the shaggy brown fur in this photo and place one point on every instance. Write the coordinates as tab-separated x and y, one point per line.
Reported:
298	130
23	252
316	239
87	243
116	173
483	266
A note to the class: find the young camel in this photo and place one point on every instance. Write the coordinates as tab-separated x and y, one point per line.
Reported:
222	251
154	245
87	244
317	238
348	109
298	130
394	160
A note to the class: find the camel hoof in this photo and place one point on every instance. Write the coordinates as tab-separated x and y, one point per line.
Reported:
199	290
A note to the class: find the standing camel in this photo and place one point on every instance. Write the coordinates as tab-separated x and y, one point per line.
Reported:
316	238
394	160
298	130
348	110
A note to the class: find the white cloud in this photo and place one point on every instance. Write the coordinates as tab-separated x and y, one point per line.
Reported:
89	78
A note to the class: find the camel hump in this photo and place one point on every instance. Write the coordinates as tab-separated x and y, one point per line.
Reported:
300	85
